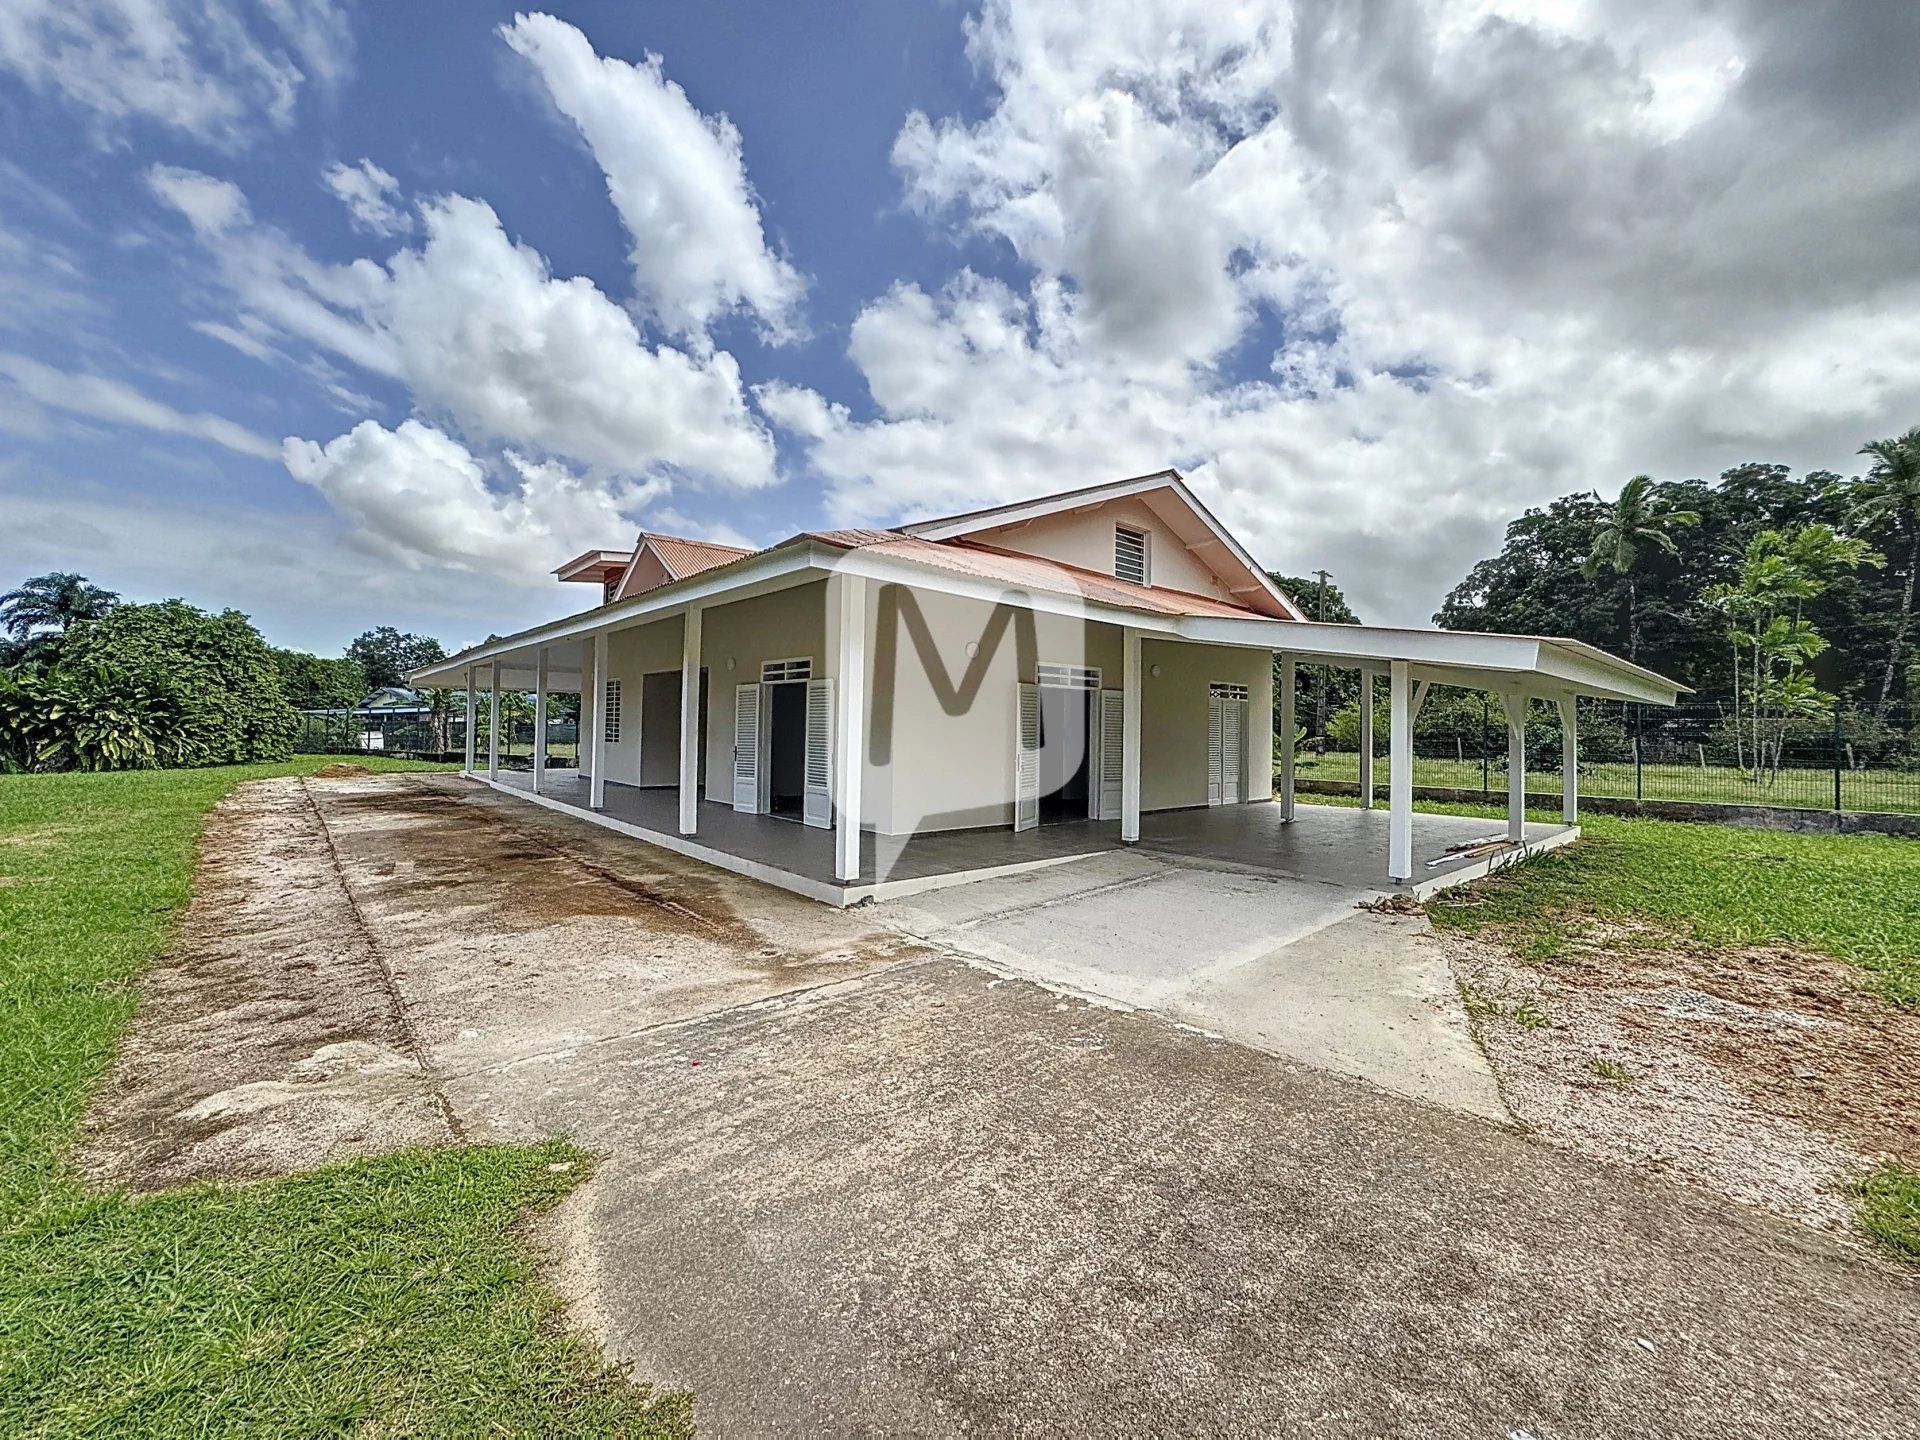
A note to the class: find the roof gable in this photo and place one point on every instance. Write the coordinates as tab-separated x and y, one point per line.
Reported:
1195	552
661	559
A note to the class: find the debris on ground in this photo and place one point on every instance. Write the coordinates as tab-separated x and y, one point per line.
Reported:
341	770
1765	1073
1392	905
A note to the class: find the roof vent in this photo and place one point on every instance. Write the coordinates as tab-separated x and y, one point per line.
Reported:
1129	555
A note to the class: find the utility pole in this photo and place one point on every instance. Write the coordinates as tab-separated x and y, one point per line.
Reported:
1326	671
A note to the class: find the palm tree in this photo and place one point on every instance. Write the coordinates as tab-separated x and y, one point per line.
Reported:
1889	494
55	603
1635	520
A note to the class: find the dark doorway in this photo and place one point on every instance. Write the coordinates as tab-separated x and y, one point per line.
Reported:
787	750
1065	771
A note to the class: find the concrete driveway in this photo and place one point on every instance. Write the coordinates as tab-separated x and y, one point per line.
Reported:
1294	967
852	1183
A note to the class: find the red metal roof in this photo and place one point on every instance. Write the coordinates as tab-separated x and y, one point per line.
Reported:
689	557
1033	572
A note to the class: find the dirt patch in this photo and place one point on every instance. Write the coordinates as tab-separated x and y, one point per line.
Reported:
1763	1072
268	1039
340	770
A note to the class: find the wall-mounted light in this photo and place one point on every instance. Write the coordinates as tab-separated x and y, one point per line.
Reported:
1154	670
973	648
731	662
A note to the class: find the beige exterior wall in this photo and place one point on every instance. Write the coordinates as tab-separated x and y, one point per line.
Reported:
942	723
1173	720
782	626
1086	539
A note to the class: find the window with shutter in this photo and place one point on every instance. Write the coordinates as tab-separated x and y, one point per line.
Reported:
612	710
1130	555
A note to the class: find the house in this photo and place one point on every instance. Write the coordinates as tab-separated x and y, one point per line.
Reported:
865	712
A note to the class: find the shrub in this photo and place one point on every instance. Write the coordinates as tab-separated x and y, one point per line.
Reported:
92	718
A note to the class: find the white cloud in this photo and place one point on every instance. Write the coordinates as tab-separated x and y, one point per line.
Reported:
1379	275
417	496
98	397
676	177
212	68
369	193
483	334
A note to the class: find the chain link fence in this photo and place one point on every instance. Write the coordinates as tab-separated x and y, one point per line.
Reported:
1851	760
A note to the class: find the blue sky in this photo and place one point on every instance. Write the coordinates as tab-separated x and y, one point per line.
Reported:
359	314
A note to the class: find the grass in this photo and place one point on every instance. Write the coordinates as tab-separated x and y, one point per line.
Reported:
1880	790
1485	1004
1853	897
388	1296
1889	1209
1612	1070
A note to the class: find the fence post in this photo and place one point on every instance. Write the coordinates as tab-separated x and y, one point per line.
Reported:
1836	757
1483	743
1638	710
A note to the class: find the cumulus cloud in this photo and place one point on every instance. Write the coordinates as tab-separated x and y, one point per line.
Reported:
212	68
99	397
370	195
1378	274
416	495
676	177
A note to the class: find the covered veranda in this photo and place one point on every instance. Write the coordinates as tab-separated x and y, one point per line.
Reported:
1390	849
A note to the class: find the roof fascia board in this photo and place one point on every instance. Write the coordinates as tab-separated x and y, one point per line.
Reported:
917	575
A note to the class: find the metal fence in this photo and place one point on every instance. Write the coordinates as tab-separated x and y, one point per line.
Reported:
1850	760
413	736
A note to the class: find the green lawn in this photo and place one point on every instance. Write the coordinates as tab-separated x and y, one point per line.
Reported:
389	1296
1864	791
1854	897
1889	1201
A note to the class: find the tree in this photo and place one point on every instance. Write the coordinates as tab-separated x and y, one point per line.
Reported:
313	683
1887	498
1637	519
229	707
386	655
1319	689
1773	642
38	614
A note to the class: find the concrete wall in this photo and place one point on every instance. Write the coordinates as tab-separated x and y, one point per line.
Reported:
1086	539
632	654
1173	720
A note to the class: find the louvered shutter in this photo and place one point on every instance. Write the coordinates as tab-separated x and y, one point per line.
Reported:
1026	761
1232	745
1215	723
746	748
1113	726
817	805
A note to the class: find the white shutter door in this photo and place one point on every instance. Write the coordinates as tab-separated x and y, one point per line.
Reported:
817	808
746	748
1232	727
1113	725
1026	761
1215	754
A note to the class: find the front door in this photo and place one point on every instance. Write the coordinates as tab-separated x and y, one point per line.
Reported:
1066	768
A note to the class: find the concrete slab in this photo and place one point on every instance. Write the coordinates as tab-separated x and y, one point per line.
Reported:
1289	966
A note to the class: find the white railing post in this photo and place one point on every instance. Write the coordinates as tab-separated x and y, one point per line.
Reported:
1366	738
690	644
1288	682
540	721
850	723
1570	761
597	788
1130	736
1399	771
1515	709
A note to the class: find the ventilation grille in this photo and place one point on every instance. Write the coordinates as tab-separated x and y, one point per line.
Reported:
1227	692
1129	555
772	672
611	729
1070	677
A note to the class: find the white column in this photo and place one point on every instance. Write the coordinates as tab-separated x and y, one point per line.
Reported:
1366	739
1569	761
850	723
1399	771
1260	734
597	789
582	750
1288	680
690	721
1130	736
473	717
1515	709
540	721
493	721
